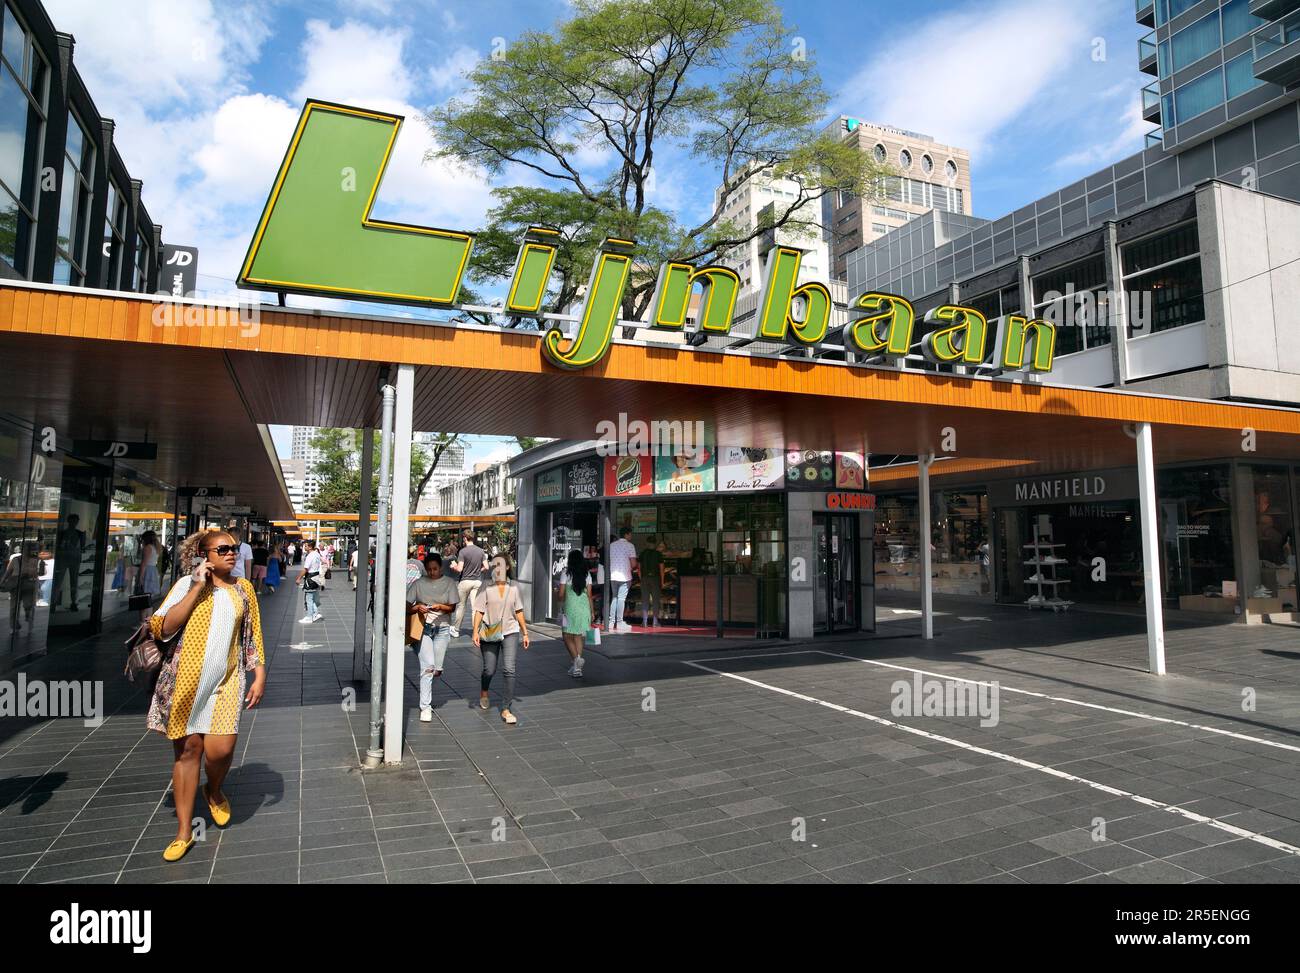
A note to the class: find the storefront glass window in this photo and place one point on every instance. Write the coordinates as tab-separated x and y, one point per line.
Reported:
1272	549
1195	534
745	561
898	543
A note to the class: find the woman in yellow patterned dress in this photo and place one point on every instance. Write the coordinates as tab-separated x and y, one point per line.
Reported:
201	685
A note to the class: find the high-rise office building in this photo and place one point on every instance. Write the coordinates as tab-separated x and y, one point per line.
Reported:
930	176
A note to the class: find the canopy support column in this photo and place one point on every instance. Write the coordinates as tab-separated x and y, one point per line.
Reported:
927	582
1150	549
399	527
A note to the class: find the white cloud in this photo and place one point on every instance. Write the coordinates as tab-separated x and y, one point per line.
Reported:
356	62
185	52
246	139
968	73
449	75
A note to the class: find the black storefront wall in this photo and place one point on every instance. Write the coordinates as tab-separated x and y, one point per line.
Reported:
1091	518
1094	518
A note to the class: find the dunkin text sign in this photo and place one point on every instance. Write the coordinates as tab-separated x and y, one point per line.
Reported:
316	235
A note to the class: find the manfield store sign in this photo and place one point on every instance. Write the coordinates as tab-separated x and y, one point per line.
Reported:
317	236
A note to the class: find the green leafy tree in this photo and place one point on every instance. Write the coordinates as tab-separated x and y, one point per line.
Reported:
725	79
339	469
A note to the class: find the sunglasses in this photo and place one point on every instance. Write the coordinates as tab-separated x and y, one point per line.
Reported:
223	549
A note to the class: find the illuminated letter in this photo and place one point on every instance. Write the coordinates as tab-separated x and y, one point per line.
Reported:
600	311
1016	333
779	295
672	296
314	237
532	271
942	345
863	334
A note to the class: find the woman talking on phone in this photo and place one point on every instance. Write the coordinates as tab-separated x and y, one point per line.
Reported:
201	686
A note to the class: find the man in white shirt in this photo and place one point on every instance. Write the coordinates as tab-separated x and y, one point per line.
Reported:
622	561
244	559
352	567
310	579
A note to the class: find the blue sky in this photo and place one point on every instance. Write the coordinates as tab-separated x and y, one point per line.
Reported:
1041	92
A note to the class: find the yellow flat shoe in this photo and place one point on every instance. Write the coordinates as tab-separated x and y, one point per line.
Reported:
177	850
220	812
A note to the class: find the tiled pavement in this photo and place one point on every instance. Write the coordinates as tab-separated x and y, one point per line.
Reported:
704	778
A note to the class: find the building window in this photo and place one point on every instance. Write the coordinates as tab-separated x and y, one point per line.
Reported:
140	272
23	91
74	204
905	159
927	164
1239	75
114	237
1199	96
950	170
1192	43
880	153
1238	20
1164	270
1075	299
879	229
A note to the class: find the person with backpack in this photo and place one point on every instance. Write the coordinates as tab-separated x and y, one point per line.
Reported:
499	629
310	582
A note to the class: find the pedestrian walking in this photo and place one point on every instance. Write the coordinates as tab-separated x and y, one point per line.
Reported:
650	566
499	630
20	580
148	581
469	564
622	560
352	566
433	597
261	556
579	609
201	689
310	582
272	580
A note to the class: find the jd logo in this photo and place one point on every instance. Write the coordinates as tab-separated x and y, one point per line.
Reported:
115	449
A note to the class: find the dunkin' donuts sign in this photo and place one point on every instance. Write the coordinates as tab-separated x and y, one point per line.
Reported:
313	239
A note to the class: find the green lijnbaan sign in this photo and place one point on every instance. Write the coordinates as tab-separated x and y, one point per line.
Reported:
317	236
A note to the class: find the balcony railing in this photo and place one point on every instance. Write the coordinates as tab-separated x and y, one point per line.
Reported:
1147	53
1151	97
1277	50
1155	139
1272	9
1145	11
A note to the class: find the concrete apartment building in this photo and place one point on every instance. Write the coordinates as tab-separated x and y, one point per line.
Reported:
930	176
490	489
761	193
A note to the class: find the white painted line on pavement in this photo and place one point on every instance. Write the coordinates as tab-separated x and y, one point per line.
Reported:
1002	687
1019	761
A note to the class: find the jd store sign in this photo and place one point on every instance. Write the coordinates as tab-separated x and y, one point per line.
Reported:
317	235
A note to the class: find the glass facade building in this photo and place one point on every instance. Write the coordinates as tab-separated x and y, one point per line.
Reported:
70	214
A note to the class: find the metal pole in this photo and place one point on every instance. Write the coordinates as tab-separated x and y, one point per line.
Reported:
375	753
927	584
363	566
176	532
399	513
1150	549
